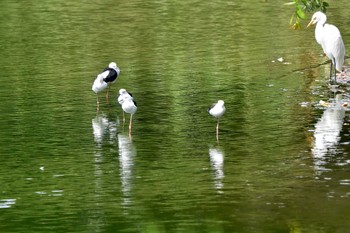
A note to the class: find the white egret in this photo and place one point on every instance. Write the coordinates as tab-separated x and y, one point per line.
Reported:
105	79
124	95
329	37
129	106
217	110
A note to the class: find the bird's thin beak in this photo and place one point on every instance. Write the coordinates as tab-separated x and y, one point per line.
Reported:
311	22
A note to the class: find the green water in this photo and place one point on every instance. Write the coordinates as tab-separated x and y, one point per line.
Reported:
282	162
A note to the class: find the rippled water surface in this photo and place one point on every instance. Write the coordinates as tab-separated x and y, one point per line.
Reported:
282	160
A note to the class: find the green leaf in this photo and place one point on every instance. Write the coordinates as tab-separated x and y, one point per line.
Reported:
289	3
301	13
291	20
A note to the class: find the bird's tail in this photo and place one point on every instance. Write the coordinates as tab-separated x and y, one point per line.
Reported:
339	55
99	84
339	64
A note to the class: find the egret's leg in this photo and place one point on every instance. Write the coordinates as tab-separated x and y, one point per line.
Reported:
335	72
330	71
123	117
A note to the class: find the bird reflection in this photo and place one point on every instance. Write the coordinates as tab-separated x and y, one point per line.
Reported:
127	152
102	127
217	163
327	132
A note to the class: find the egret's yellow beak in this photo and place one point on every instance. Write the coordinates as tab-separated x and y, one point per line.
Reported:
311	22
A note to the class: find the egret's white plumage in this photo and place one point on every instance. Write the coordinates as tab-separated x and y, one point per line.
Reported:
217	110
329	37
104	79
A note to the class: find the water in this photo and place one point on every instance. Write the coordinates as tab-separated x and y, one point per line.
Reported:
282	161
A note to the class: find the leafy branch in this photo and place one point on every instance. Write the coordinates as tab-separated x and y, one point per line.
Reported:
303	6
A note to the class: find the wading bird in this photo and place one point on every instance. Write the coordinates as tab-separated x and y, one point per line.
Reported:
124	95
217	110
329	37
104	80
129	106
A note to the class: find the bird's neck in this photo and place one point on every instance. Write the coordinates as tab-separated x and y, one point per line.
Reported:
321	23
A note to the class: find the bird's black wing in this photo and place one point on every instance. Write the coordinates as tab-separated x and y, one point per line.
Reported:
111	76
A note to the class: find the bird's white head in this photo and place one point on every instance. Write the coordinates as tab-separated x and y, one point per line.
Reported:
122	91
113	65
221	102
318	17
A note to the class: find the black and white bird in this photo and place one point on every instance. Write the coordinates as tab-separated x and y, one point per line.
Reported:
105	79
217	110
128	104
124	95
329	37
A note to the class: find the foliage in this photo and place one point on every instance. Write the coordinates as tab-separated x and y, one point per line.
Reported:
302	6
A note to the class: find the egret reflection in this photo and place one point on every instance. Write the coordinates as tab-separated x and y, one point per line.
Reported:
217	164
327	132
127	152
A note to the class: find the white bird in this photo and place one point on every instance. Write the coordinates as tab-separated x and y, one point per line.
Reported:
124	95
129	106
105	79
217	110
329	37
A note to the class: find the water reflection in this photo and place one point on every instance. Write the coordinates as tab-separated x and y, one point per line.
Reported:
327	132
175	70
7	203
216	156
103	127
127	152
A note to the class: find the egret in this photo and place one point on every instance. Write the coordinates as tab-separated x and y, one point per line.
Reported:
124	95
105	79
217	110
329	37
129	106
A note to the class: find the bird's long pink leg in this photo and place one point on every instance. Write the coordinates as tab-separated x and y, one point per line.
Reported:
107	97
217	131
130	124
97	103
130	136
